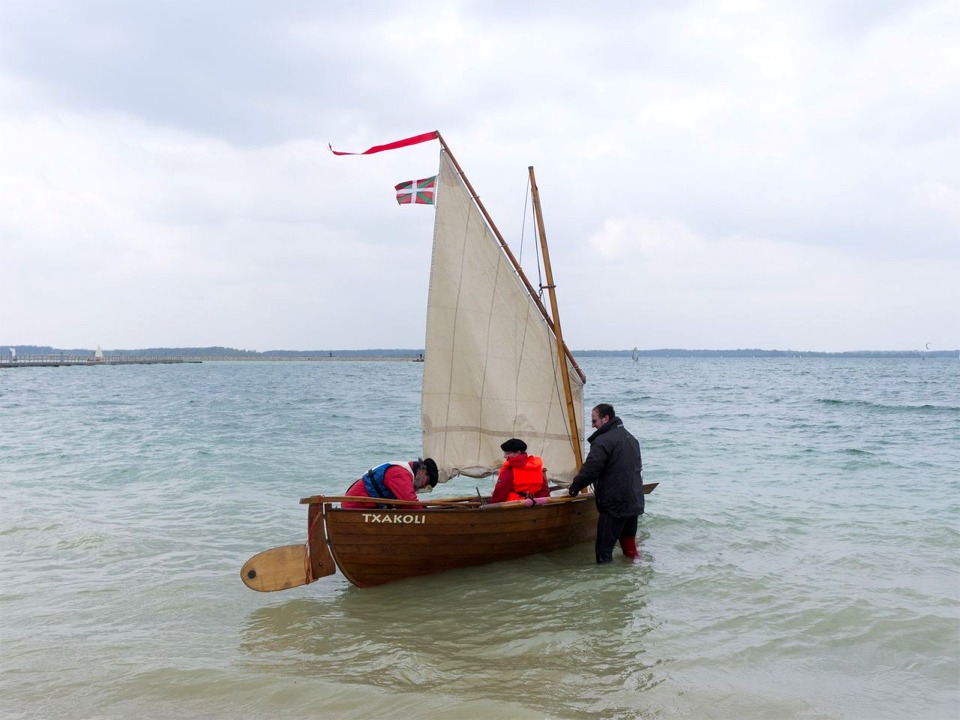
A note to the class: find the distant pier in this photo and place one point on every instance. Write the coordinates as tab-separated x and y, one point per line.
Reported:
58	360
311	358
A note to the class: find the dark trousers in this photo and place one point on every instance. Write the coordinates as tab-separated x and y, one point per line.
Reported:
609	530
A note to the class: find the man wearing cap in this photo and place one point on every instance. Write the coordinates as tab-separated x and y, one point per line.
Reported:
396	480
521	476
615	469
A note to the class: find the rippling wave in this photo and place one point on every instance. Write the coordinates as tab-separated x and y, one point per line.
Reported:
799	558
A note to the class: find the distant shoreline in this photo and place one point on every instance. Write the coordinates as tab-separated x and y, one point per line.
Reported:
224	354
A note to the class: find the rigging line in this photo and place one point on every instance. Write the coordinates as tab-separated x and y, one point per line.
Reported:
523	222
558	390
536	246
539	269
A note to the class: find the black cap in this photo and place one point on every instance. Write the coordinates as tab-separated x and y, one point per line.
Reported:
432	471
514	445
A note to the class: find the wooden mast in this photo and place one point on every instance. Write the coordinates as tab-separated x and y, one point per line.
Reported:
571	414
565	351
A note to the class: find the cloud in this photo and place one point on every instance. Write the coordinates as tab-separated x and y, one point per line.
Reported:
663	285
735	173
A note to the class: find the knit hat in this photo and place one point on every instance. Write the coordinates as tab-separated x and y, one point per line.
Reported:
432	471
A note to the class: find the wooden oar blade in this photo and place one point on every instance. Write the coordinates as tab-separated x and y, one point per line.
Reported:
279	568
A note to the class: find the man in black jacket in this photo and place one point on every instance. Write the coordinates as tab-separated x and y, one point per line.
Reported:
615	469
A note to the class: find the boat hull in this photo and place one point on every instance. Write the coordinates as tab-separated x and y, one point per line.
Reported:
374	547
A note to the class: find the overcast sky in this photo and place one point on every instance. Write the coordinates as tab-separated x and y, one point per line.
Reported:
777	175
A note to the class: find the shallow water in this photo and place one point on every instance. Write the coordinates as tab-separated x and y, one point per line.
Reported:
800	556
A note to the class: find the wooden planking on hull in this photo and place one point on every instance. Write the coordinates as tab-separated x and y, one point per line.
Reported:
373	553
431	527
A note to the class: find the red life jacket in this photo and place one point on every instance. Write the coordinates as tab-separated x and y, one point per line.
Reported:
527	480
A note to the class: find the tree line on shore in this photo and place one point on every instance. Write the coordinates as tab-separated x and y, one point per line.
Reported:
226	352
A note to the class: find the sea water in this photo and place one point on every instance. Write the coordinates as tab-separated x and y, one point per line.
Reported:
799	557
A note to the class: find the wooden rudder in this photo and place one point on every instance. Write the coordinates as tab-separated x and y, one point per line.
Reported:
276	569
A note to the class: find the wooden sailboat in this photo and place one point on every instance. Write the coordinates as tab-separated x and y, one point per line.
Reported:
495	367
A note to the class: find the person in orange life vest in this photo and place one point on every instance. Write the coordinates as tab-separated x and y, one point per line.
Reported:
396	480
522	476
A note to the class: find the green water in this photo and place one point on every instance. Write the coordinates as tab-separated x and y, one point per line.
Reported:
800	556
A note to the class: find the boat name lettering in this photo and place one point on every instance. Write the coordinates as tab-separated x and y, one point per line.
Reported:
395	519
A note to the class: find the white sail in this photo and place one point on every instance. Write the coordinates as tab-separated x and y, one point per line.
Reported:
491	363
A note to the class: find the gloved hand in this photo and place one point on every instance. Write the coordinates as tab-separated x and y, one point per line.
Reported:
573	493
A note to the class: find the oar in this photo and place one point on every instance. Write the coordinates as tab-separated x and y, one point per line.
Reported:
313	499
436	503
647	489
531	502
462	498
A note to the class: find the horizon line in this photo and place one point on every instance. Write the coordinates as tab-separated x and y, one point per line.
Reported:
627	351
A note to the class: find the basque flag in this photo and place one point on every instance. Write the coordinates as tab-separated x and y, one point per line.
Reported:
420	192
